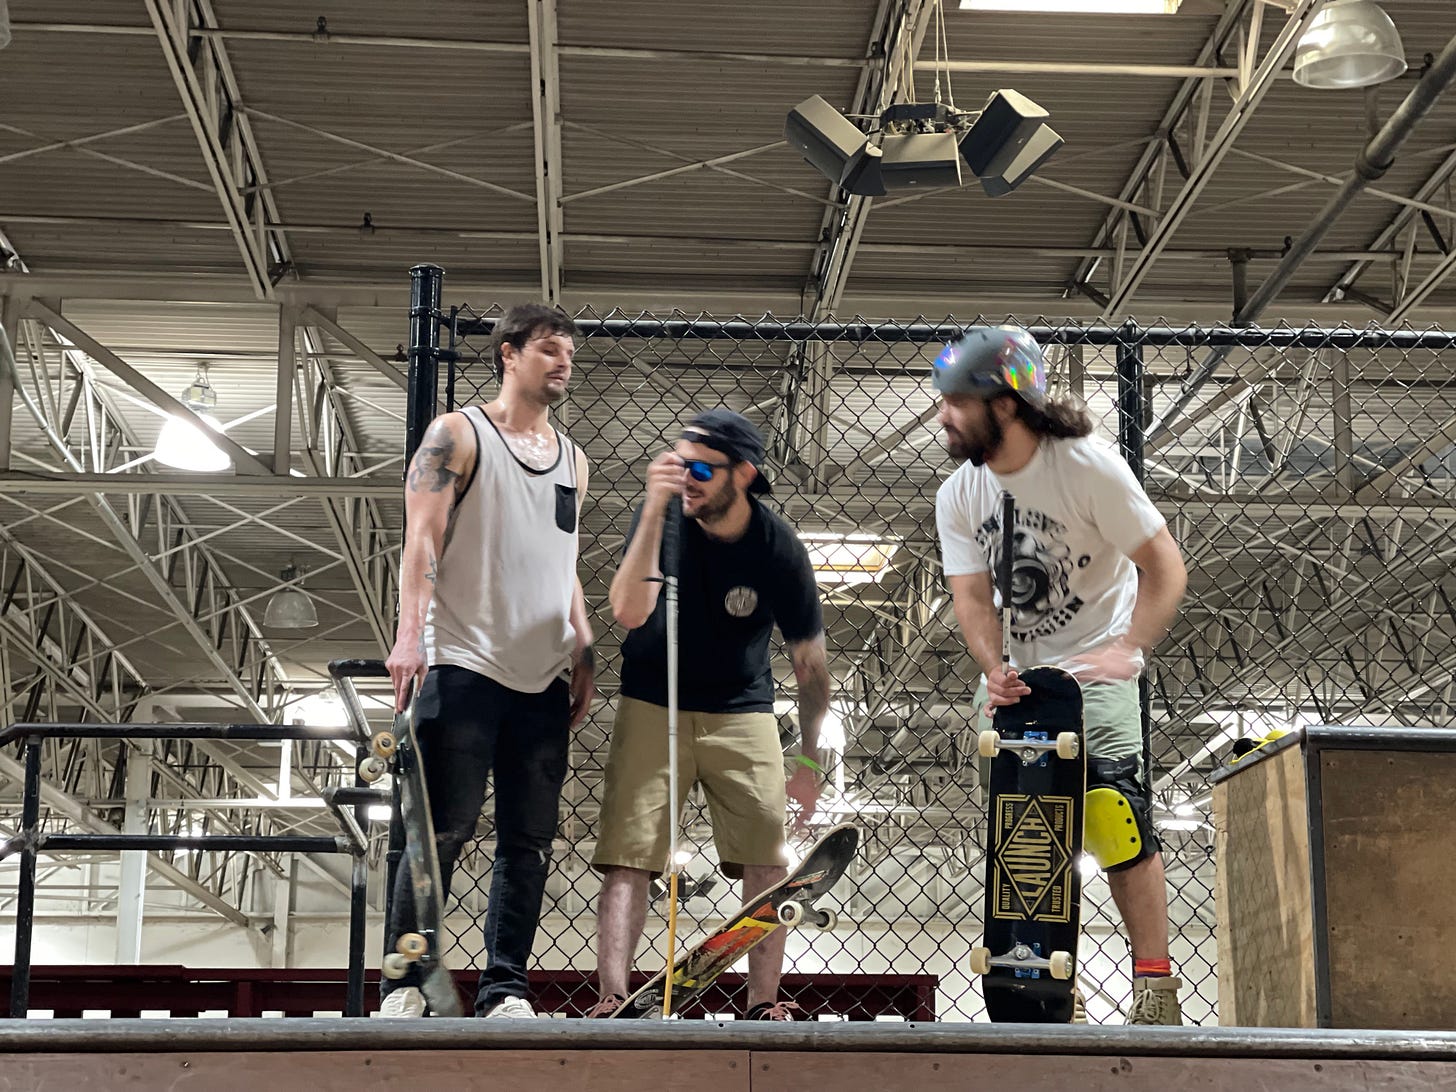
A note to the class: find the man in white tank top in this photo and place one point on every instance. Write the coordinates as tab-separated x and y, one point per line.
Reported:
493	630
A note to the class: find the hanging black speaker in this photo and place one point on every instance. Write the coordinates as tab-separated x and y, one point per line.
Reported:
922	160
1008	142
834	146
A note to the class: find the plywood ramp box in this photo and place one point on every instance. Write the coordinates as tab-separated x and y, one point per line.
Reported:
1336	890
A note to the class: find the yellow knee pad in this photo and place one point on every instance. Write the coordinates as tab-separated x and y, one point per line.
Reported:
1110	831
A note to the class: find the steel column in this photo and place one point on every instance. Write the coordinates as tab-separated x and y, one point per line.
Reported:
25	901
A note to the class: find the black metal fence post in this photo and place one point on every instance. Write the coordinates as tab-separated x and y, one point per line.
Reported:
358	905
426	284
25	899
1131	437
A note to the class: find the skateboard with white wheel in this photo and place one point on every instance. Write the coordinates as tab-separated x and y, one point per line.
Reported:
788	903
1032	918
423	946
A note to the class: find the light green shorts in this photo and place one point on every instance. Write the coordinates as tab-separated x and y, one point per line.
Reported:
1111	713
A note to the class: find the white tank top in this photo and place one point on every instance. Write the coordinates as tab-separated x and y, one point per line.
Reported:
506	574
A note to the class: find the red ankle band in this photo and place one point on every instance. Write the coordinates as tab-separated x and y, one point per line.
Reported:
1152	968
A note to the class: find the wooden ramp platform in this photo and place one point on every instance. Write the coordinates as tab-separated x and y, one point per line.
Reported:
575	1056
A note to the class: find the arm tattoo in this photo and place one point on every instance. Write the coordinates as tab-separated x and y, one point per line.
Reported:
811	667
430	470
431	573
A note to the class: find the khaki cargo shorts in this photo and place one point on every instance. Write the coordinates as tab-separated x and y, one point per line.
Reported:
735	756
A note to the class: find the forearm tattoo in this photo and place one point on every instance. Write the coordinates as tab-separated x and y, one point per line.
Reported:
430	471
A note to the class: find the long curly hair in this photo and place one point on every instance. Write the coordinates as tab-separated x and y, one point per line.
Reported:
1059	418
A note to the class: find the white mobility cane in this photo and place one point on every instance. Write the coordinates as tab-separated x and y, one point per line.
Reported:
669	576
1008	555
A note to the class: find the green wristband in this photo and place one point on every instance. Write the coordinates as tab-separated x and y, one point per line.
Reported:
805	760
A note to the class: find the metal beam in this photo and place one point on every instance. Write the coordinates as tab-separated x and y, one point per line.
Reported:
1440	438
313	317
1155	154
1250	96
1433	186
205	109
931	252
356	522
169	286
131	896
283	389
1422	292
546	118
796	60
9	330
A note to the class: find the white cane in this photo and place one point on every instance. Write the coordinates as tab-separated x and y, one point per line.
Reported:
669	576
1004	578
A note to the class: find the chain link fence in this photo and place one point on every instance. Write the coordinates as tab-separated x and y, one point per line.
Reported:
1307	475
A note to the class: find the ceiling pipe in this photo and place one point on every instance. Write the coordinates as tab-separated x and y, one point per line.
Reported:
1370	164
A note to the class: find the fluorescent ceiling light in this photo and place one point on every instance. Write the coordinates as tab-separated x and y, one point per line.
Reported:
378	813
849	559
1077	7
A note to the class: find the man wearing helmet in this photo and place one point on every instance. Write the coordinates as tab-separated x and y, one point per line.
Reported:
1097	582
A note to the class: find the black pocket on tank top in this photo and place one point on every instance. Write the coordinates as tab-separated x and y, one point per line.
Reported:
566	508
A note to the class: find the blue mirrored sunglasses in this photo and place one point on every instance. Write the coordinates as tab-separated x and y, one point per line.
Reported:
701	469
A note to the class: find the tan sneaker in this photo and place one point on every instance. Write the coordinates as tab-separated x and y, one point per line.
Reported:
1079	1007
1155	1001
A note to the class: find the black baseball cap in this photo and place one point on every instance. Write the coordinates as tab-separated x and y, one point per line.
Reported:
733	435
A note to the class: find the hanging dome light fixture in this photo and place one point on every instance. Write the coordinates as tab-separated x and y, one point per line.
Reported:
182	444
290	608
1350	44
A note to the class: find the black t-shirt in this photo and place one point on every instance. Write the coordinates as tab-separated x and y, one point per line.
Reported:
730	595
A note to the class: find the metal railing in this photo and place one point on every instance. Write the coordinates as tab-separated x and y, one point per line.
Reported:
31	841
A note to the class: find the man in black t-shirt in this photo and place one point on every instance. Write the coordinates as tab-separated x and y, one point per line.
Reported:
741	570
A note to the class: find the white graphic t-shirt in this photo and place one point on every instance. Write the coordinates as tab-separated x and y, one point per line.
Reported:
1079	514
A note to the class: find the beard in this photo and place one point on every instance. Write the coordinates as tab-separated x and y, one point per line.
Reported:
976	448
712	508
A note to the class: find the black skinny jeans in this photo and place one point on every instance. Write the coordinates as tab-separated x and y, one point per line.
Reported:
469	727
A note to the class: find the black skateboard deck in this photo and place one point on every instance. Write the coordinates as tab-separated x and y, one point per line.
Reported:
425	944
1032	914
789	902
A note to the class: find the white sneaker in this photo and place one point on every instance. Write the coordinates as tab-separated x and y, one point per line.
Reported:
405	1001
517	1007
